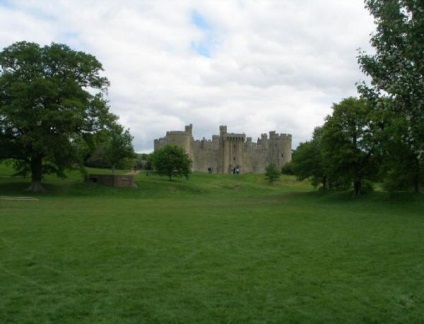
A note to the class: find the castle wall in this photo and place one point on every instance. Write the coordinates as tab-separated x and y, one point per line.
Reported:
228	151
205	156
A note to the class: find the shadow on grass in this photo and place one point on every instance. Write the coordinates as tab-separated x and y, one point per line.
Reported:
346	197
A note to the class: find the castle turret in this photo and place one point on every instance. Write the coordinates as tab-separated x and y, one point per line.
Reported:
189	130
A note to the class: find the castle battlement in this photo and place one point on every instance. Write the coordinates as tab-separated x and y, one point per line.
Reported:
176	133
232	136
274	136
230	151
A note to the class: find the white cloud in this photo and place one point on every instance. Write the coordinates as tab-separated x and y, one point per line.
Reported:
257	66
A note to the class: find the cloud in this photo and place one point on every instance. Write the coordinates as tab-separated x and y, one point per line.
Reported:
254	66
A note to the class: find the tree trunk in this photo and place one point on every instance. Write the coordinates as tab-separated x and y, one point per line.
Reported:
417	176
36	174
36	186
357	187
330	184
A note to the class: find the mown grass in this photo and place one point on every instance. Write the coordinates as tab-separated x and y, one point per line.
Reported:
214	249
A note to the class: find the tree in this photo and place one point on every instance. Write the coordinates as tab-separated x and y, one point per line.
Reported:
144	161
172	161
114	149
271	173
397	88
307	161
349	149
51	105
401	169
119	147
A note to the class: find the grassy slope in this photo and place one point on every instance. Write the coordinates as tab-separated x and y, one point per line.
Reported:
212	249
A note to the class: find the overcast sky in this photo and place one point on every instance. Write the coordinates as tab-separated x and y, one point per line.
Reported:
253	65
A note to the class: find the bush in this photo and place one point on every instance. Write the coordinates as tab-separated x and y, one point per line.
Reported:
172	161
287	169
271	173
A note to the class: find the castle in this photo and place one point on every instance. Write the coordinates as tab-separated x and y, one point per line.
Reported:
229	152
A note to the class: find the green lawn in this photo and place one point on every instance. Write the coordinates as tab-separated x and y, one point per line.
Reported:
214	249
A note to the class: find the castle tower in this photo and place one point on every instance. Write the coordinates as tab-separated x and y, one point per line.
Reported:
231	150
182	139
189	130
279	149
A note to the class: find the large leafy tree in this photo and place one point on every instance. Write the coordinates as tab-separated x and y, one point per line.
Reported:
348	145
51	104
172	160
397	72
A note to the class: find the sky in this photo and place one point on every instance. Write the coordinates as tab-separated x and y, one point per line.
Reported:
252	65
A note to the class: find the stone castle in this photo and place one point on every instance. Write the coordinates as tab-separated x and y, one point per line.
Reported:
229	152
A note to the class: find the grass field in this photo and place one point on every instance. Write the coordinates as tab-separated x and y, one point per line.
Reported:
214	249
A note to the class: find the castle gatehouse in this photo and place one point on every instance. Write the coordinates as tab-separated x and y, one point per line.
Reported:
230	152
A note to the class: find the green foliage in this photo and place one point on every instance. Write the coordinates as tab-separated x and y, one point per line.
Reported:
172	161
345	152
402	170
119	147
397	88
51	104
144	161
287	168
348	146
271	173
307	161
114	151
